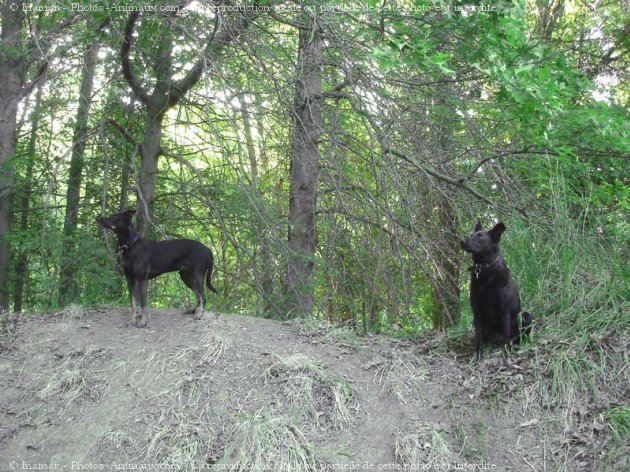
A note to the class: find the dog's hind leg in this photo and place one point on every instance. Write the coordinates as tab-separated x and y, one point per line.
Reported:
526	323
198	289
188	278
194	282
507	332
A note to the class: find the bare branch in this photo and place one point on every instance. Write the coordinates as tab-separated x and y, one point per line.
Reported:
286	21
124	133
127	71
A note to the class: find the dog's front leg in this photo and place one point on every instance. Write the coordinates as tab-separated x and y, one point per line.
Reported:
132	287
143	318
506	325
478	338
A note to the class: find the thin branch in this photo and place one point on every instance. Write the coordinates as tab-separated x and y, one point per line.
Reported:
286	21
386	148
130	139
529	150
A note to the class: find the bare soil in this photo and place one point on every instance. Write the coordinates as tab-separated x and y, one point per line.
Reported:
86	390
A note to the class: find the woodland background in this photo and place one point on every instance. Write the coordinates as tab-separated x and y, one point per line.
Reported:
331	154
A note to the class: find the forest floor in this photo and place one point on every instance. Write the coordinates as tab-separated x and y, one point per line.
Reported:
81	390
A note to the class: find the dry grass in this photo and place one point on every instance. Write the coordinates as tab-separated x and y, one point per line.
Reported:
77	378
425	448
192	359
259	442
327	333
400	374
308	386
176	419
75	312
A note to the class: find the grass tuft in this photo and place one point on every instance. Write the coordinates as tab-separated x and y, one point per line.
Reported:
400	374
307	385
327	333
193	361
75	312
261	443
77	378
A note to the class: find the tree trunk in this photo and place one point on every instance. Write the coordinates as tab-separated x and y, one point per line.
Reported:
304	172
67	281
12	75
7	178
126	172
21	267
150	154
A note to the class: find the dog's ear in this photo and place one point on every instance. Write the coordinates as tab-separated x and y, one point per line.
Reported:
130	213
478	227
497	231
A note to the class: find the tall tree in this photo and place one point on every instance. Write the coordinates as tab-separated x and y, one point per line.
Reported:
167	91
13	68
67	281
304	172
21	266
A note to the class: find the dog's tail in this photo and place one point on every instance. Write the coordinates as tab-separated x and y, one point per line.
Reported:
209	276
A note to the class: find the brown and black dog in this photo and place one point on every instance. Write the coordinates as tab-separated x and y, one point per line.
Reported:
142	259
494	295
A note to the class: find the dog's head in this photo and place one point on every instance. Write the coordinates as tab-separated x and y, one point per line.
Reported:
483	243
118	223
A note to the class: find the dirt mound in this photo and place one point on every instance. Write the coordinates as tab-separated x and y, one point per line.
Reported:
86	390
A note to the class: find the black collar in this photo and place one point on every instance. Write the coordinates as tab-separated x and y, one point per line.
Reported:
478	268
126	247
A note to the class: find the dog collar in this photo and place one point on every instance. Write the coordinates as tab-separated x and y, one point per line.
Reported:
124	247
478	268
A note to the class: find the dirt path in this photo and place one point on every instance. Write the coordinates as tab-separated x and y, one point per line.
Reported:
83	389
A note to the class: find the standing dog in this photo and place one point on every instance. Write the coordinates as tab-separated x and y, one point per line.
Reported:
142	260
494	296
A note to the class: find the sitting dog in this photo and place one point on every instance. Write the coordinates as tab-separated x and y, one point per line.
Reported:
142	259
494	296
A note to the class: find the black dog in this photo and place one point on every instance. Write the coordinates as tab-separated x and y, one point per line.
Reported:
142	260
494	296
